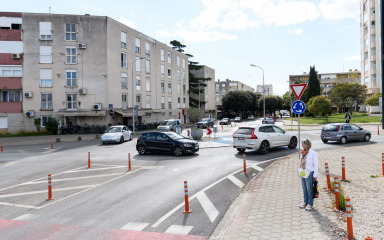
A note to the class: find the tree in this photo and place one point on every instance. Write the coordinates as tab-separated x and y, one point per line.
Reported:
195	114
313	88
52	126
320	106
236	101
272	103
342	93
373	100
177	45
37	122
288	100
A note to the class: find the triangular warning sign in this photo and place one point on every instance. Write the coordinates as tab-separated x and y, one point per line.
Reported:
298	89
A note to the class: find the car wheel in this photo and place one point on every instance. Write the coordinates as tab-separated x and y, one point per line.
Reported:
264	147
293	143
121	139
141	150
177	151
241	150
343	140
367	137
130	137
324	141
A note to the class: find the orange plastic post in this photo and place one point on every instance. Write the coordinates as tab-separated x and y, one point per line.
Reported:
348	210
1	146
129	162
186	198
378	130
337	196
343	169
51	144
329	188
368	238
89	159
245	164
382	162
49	187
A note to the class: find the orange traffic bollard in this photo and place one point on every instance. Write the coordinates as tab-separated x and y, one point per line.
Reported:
129	162
245	164
382	162
188	132
49	187
1	146
329	188
348	210
343	169
368	238
378	130
89	159
51	144
186	198
337	196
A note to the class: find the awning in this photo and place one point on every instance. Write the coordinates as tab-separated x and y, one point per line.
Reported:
82	114
129	113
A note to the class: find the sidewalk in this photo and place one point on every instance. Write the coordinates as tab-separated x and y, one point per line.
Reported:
269	207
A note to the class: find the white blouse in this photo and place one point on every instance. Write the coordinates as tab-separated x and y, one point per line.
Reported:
312	162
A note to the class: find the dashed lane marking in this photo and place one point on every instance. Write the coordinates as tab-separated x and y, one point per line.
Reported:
257	168
25	217
179	229
16	205
208	206
236	181
71	179
135	226
44	191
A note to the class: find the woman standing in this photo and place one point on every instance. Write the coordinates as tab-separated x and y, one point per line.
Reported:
309	161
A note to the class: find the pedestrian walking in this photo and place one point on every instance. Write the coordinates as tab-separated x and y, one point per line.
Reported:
347	118
308	162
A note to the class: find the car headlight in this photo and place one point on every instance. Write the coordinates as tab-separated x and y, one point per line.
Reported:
187	145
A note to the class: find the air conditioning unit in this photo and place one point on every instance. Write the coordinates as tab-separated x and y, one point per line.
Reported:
28	94
82	45
83	91
30	114
97	106
15	55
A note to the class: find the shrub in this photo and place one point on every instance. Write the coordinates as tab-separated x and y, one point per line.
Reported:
52	126
37	122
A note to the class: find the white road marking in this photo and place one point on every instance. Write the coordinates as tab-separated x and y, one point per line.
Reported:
70	179
135	226
94	169
179	229
26	217
257	168
236	181
208	206
45	191
16	205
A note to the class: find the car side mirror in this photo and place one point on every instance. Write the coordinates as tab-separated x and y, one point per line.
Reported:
283	132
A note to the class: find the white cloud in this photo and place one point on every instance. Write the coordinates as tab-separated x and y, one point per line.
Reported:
297	31
127	22
335	10
353	58
196	36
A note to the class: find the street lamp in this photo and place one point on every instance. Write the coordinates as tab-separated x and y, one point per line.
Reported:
133	95
252	65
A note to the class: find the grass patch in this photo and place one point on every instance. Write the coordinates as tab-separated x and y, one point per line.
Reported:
373	176
339	117
341	196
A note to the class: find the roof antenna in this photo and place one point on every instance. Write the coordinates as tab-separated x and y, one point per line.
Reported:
49	9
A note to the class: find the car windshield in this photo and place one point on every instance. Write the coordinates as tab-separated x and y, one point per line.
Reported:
167	123
332	128
114	129
224	119
204	120
174	136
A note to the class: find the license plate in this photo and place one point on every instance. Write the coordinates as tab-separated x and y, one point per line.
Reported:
196	147
241	138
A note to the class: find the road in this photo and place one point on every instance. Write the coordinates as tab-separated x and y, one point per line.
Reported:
107	199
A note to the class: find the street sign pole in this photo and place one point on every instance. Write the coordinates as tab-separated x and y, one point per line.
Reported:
299	143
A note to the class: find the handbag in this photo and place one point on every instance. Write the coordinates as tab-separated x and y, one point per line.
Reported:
304	173
315	190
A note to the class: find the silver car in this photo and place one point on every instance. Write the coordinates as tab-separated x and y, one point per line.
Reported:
268	121
116	134
343	132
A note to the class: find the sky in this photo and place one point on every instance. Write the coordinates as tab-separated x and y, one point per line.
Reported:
283	37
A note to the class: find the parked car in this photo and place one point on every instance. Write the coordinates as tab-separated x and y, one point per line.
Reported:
343	132
237	119
225	121
268	120
116	134
165	142
262	138
251	117
170	125
205	122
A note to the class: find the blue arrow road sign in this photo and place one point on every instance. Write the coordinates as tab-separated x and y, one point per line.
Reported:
298	107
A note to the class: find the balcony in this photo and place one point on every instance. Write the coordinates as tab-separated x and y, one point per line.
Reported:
11	107
372	4
373	17
373	31
373	44
366	49
366	74
373	71
10	83
365	36
10	35
373	58
366	61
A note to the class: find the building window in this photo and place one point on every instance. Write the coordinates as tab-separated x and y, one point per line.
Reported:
45	77
178	61
184	89
162	102
178	88
148	115
46	101
148	85
44	120
138	83
11	96
123	60
223	92
169	88
147	66
138	64
162	87
71	101
148	101
178	75
183	102
45	54
183	63
184	76
169	58
137	46
71	78
138	101
169	102
71	55
162	71
70	32
147	49
162	55
11	71
170	114
169	73
124	80
123	40
178	102
45	30
124	103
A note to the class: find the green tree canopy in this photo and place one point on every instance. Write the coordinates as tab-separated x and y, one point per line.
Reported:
373	100
195	114
343	94
313	88
272	104
319	106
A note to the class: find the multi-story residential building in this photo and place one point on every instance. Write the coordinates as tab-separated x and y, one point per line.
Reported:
208	92
327	80
370	40
77	67
268	89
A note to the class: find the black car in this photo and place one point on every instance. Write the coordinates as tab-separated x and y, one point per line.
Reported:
165	142
205	122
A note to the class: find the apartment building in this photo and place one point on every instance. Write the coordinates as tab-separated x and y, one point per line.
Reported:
223	87
89	69
208	92
268	89
370	40
327	80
